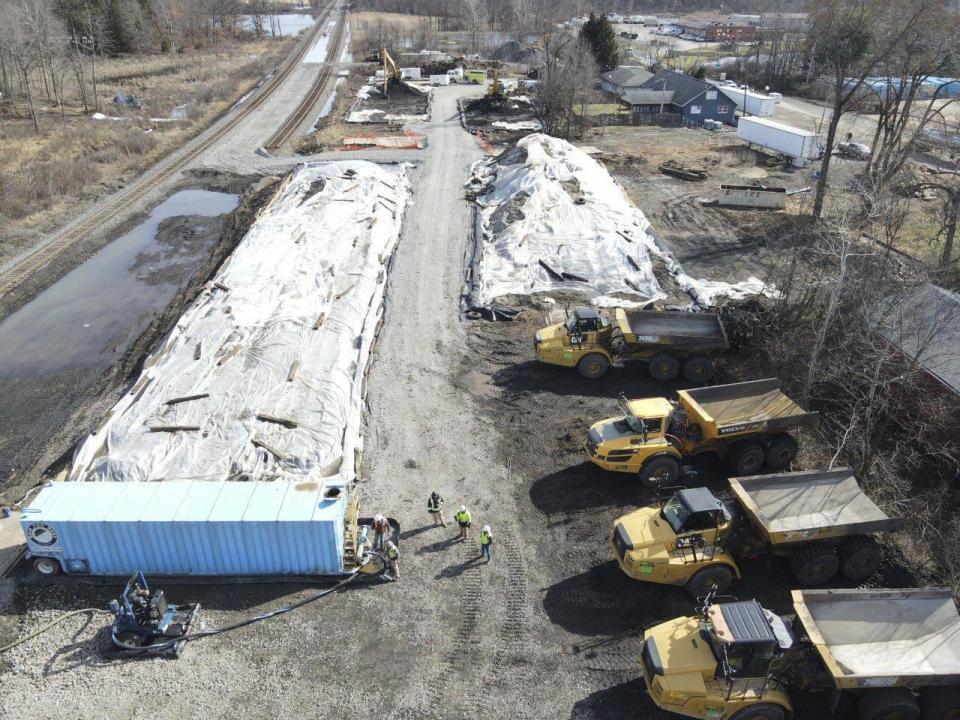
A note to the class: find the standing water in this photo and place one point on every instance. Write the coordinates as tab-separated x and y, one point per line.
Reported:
56	347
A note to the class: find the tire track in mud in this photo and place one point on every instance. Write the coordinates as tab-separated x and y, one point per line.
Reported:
449	693
512	637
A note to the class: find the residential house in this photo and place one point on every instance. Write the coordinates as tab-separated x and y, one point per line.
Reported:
623	78
689	101
649	107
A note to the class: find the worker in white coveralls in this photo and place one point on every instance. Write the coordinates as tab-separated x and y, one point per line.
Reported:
393	560
381	527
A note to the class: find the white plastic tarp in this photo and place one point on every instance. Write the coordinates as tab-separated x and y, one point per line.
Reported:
276	347
537	235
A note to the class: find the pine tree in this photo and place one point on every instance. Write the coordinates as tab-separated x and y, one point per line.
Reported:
598	32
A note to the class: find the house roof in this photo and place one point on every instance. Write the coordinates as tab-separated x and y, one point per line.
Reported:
684	87
926	328
626	76
647	97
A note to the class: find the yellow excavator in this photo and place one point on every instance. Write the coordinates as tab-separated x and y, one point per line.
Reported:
391	73
495	89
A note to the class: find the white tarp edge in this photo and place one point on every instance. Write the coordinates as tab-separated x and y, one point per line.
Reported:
283	332
531	217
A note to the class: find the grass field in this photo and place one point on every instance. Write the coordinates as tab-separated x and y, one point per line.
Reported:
45	176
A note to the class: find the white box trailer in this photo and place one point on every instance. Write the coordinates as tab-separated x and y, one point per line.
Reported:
410	73
753	103
439	79
799	145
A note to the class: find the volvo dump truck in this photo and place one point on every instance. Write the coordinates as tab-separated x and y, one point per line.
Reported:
668	341
897	650
745	423
820	520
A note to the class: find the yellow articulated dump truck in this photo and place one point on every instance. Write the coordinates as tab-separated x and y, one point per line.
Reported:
897	650
668	341
746	423
820	520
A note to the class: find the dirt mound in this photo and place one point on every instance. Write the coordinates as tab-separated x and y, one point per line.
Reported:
500	105
513	52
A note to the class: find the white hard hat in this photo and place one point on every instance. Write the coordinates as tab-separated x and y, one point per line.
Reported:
378	517
391	545
486	528
463	508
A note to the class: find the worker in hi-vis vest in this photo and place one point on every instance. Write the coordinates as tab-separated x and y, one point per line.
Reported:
486	540
393	560
463	520
435	508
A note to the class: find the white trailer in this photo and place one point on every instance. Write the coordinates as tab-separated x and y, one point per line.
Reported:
439	79
410	73
753	103
799	145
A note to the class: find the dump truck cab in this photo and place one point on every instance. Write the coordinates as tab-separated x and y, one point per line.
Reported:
641	432
718	663
678	542
896	651
670	342
583	334
744	423
821	521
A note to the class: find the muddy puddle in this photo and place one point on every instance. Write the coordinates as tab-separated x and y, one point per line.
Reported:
63	341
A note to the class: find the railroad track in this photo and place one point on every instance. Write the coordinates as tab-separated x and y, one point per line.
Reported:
167	168
292	123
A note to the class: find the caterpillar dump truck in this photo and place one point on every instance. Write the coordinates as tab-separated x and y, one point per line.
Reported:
668	341
898	650
746	423
820	520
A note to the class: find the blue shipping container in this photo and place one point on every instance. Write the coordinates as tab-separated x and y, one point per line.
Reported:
189	527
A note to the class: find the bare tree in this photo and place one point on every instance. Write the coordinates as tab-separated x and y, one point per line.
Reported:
851	38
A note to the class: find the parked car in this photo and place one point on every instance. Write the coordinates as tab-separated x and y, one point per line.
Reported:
855	150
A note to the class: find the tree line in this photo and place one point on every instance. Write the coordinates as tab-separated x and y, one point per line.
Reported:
49	44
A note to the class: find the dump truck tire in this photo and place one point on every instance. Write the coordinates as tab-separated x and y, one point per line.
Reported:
762	711
704	580
48	567
746	458
698	369
859	558
593	366
660	471
664	367
888	704
781	451
814	564
940	703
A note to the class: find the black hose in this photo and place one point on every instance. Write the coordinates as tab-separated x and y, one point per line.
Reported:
160	647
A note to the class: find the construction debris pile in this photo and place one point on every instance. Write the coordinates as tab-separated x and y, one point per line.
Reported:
262	378
502	116
552	219
404	102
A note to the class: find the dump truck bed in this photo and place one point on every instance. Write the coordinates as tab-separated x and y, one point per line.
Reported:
883	638
651	327
805	506
748	406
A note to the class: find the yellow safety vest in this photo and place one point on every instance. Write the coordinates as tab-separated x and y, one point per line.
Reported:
392	553
486	538
463	517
